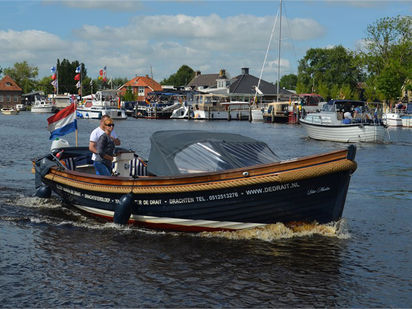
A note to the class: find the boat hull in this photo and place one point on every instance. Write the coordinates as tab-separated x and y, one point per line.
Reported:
351	133
305	191
48	109
407	121
9	111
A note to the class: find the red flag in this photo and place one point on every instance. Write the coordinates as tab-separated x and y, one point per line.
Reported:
77	77
53	76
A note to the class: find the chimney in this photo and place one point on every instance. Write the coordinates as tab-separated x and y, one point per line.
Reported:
245	71
197	73
222	73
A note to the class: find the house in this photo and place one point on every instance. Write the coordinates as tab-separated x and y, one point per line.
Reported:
140	86
206	82
243	88
10	92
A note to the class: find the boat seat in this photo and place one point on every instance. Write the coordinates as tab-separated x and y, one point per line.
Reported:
81	161
138	167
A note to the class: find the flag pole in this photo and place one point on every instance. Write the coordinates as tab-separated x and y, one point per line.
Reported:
76	132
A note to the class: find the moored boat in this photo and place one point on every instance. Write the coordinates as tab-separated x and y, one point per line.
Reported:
329	124
42	105
104	102
392	119
407	116
201	181
9	111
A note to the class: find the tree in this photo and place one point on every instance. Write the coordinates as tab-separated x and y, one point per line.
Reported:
66	73
288	81
129	96
45	85
328	67
388	55
24	75
181	78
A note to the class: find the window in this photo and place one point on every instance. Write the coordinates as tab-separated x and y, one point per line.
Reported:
8	99
1	98
16	98
140	91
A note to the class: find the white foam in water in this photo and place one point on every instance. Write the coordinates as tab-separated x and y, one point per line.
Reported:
36	202
278	231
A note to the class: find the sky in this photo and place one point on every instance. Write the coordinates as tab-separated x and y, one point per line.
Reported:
155	38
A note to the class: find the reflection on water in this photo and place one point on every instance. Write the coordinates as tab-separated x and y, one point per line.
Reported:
54	256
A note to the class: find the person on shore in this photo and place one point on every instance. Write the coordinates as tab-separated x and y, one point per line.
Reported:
95	135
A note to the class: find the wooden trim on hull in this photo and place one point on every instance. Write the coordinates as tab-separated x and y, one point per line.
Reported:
191	184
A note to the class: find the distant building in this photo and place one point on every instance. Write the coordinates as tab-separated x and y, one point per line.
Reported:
239	88
10	92
140	87
244	86
203	81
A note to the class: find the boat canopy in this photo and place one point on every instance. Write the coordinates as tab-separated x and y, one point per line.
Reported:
178	152
343	106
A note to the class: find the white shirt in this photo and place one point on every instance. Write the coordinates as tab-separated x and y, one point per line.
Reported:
95	135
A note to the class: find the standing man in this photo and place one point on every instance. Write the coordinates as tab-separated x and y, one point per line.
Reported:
95	135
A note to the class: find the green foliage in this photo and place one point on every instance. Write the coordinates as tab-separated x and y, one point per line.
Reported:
45	85
24	75
181	78
388	56
289	81
129	96
66	71
326	68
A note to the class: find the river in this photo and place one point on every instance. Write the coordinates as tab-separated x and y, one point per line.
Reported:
53	256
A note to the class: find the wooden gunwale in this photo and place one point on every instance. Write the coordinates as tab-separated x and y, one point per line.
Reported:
281	172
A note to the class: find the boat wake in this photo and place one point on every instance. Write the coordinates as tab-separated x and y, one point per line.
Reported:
278	231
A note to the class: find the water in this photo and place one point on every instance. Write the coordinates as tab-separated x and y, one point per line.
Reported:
52	256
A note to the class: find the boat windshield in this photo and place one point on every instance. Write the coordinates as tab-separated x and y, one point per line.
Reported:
205	157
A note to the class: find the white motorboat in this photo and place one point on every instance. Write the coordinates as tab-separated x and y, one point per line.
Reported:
257	114
217	107
183	112
9	111
329	124
392	119
42	105
104	102
20	107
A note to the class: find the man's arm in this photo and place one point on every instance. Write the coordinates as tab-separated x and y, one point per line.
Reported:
116	141
92	147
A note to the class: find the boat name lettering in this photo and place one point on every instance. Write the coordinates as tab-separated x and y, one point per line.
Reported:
275	188
223	196
73	192
97	198
318	190
183	200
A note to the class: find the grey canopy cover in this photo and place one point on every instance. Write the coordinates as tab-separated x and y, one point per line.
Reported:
173	151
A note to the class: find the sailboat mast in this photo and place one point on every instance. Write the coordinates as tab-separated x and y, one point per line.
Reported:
280	38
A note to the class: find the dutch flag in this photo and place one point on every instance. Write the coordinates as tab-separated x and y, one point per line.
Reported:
64	122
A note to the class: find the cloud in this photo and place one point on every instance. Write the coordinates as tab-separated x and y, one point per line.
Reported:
109	5
163	43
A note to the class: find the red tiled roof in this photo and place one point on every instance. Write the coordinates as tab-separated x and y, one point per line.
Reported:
8	84
144	81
